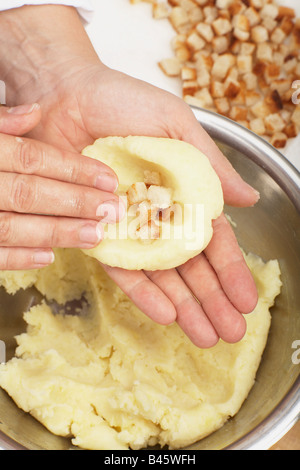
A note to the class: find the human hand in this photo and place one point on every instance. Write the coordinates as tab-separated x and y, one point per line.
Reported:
49	197
85	100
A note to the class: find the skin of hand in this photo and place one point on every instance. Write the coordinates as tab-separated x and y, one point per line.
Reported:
49	197
81	100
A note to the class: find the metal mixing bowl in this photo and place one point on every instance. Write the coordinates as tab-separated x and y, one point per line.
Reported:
271	230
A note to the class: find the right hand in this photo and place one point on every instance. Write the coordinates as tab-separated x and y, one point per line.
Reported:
49	197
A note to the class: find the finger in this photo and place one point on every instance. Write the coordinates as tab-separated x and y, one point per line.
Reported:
19	230
203	282
190	315
144	294
226	257
236	191
20	119
14	259
26	156
36	195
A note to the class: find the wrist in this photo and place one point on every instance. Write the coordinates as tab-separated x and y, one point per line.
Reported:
40	46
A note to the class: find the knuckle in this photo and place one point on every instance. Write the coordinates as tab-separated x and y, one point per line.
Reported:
29	157
5	228
4	259
78	205
73	172
23	194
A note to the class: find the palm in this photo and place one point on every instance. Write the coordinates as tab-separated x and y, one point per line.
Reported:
99	102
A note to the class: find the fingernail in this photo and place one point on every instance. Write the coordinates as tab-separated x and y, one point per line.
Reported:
23	109
107	182
111	211
257	194
91	235
43	258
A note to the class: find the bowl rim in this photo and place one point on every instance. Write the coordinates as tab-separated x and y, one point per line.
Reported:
286	175
271	160
220	128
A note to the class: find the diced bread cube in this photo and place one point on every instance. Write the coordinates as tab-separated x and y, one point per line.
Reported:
189	87
145	213
278	140
274	123
160	196
210	14
269	10
160	11
195	42
178	17
222	105
244	64
152	178
195	15
285	11
272	71
236	7
222	64
251	98
241	22
221	26
264	52
238	113
247	48
137	193
281	85
203	78
223	3
253	16
205	97
290	65
259	34
188	73
260	109
287	25
273	100
148	231
257	125
250	79
217	89
258	4
278	36
240	34
203	61
286	115
183	54
291	130
202	3
205	31
269	24
232	88
220	44
171	67
178	41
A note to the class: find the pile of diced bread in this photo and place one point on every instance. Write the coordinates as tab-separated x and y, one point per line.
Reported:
239	58
152	202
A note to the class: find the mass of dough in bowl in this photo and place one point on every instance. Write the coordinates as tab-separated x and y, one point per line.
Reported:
110	378
172	195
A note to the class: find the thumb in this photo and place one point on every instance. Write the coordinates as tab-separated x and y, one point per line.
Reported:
20	119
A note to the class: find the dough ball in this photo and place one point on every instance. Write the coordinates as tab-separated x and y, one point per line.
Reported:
182	179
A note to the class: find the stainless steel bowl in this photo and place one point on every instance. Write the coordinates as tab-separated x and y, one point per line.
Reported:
271	230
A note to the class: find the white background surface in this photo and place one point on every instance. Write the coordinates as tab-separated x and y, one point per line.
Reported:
127	38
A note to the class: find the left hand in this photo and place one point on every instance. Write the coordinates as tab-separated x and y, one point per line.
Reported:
83	100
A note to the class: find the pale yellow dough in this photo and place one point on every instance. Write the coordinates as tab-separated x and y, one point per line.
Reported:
113	379
196	189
